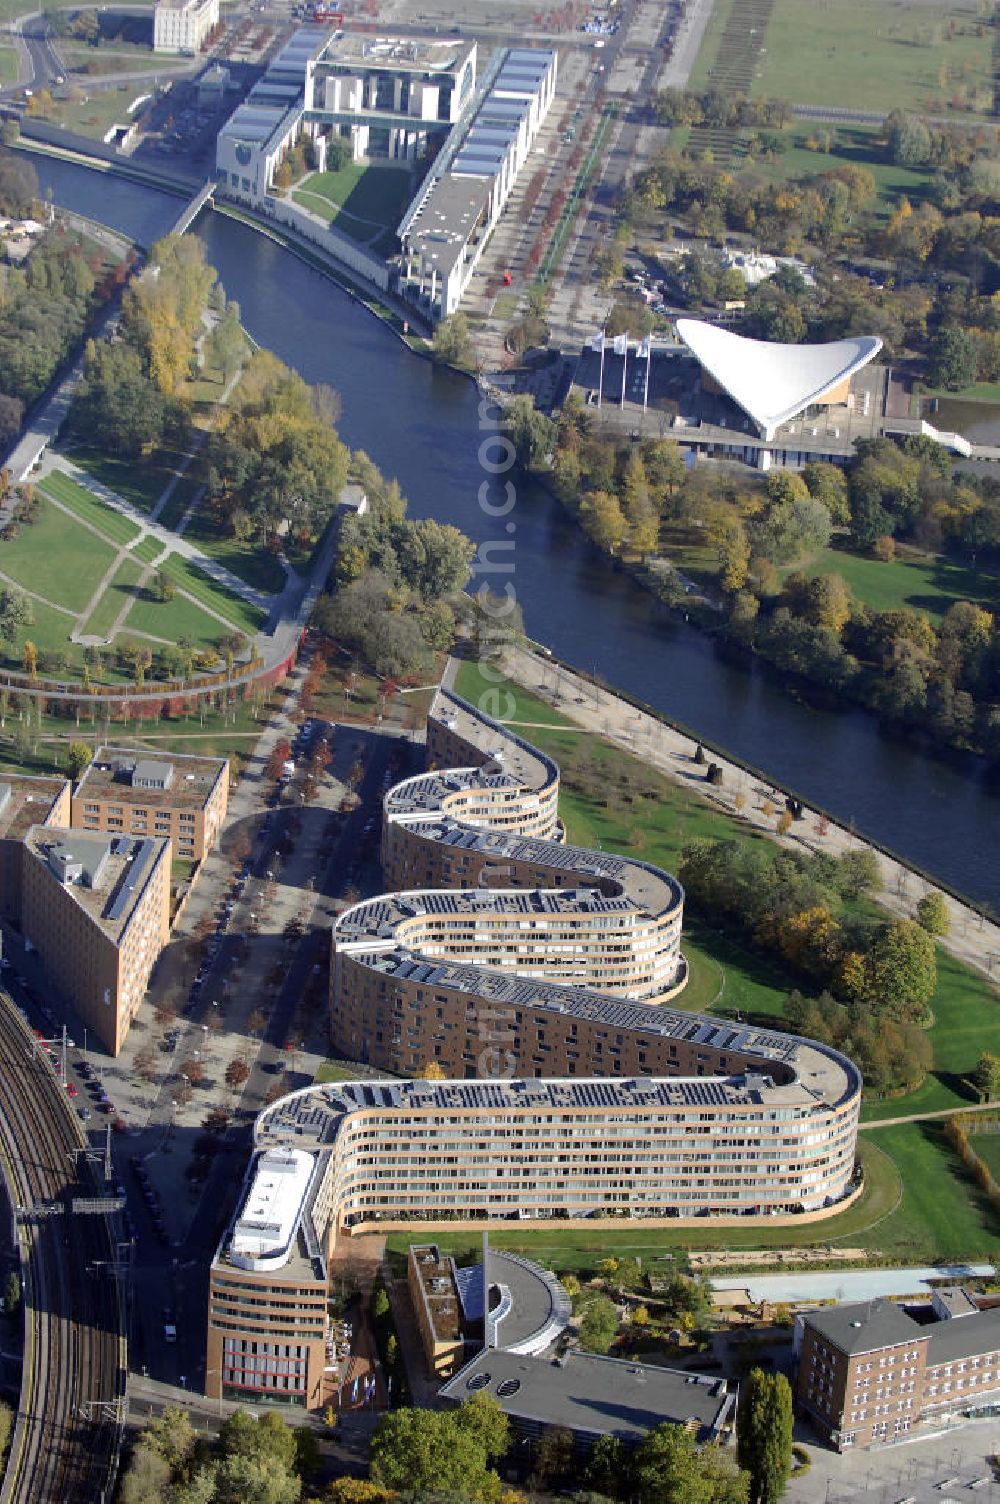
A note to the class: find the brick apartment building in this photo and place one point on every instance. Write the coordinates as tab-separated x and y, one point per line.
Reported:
97	910
24	802
868	1372
170	795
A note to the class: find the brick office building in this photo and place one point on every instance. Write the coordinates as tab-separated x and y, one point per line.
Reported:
868	1372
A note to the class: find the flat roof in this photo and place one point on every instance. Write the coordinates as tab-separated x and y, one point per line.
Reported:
191	779
26	801
539	1307
593	1396
119	867
772	382
405	54
267	1223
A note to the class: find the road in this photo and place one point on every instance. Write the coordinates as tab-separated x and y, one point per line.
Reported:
66	1437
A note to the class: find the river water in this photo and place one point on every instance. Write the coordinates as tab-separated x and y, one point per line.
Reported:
421	425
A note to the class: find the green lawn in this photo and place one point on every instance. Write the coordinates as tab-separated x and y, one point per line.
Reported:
987	1146
180	498
234	608
102	618
942	1214
113	525
360	197
49	632
878	54
139	481
148	549
929	583
857	145
980	391
248	561
58	558
8	65
172	619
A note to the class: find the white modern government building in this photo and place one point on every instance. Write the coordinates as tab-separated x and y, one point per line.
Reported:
183	27
399	99
539	967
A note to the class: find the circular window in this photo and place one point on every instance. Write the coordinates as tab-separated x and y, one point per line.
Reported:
508	1387
243	154
478	1381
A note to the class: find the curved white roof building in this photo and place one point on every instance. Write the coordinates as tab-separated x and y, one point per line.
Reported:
773	383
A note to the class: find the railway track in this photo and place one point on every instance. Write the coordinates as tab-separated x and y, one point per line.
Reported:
66	1435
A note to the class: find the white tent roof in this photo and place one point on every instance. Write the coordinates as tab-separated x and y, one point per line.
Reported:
770	382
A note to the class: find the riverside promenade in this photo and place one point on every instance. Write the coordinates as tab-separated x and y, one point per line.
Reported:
746	797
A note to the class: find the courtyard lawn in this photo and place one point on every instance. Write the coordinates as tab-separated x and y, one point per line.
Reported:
61	560
118	594
172	619
361	198
139	481
929	583
113	525
248	561
238	612
878	55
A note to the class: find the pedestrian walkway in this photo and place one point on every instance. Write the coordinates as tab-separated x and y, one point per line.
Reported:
747	798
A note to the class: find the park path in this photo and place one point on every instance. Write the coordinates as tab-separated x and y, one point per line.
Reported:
217	572
743	795
930	1117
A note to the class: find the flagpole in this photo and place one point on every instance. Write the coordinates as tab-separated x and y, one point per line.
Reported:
624	367
600	382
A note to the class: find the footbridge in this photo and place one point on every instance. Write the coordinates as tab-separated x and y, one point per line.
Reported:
191	210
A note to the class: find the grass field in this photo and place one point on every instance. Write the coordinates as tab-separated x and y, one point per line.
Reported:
49	632
987	1146
58	558
172	619
102	618
857	145
927	583
8	65
361	199
234	608
248	561
140	482
112	524
878	54
148	549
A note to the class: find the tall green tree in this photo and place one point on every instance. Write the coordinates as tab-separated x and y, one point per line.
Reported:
764	1434
668	1467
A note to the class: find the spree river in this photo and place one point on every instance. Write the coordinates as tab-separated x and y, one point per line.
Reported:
421	425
